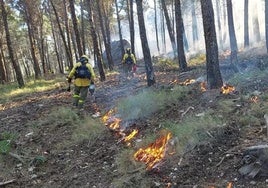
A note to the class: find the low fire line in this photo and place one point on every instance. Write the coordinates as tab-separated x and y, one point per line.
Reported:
151	155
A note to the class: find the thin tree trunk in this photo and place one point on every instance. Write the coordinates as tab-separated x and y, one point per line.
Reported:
214	78
246	32
168	23
256	25
156	27
95	42
107	47
194	23
3	75
232	35
83	41
131	26
75	27
179	31
119	29
145	47
219	24
68	35
266	23
16	67
163	33
66	47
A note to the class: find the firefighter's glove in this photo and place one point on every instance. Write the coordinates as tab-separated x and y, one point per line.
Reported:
69	80
91	88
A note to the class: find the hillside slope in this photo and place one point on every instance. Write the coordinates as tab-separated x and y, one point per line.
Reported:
37	160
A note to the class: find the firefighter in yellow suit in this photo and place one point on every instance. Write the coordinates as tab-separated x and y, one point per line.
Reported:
81	83
129	63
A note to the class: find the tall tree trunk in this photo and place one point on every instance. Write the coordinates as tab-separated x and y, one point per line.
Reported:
107	47
232	35
83	41
168	23
107	29
246	33
194	23
66	47
68	34
16	67
163	32
145	47
41	44
131	26
220	42
179	31
3	75
75	27
33	47
55	41
266	23
156	27
119	29
214	78
256	25
95	42
185	41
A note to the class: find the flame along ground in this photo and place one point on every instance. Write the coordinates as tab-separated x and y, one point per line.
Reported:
155	152
229	185
151	155
225	89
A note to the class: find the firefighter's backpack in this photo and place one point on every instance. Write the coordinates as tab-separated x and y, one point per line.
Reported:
129	60
82	71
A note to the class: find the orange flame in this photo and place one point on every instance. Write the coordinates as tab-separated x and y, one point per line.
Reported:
226	89
188	82
131	135
111	121
174	82
230	185
115	124
107	115
254	99
203	86
154	153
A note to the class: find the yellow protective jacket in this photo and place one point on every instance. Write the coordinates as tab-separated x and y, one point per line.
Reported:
126	56
82	81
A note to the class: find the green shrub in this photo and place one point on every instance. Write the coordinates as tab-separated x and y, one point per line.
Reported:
166	64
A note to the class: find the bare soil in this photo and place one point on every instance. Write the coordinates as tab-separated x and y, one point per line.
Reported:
212	163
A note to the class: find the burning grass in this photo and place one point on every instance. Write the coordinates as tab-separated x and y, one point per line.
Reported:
154	153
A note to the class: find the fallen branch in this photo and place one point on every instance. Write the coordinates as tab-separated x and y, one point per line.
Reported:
16	156
219	163
189	108
209	134
180	161
7	182
136	170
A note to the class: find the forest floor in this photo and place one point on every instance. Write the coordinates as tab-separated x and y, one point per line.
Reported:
212	163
